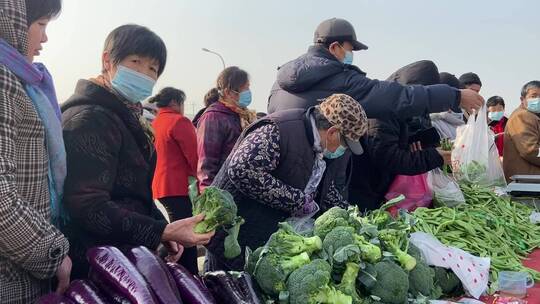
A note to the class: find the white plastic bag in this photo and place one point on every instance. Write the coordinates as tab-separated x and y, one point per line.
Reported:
471	270
475	158
446	191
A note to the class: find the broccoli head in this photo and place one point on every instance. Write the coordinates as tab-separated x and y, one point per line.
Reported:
272	271
392	283
379	218
448	281
332	218
309	284
391	240
348	282
370	253
344	245
286	241
219	209
421	281
415	252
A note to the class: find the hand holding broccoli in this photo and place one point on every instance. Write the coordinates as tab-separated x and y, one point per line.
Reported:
182	231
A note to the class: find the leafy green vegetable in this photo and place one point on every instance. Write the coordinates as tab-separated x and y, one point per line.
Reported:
332	218
391	284
286	241
348	282
310	284
272	271
232	248
220	210
392	240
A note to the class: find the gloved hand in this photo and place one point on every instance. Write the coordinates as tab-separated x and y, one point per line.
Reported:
309	207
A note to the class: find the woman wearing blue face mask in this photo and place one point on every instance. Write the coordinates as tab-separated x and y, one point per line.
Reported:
222	122
111	159
283	166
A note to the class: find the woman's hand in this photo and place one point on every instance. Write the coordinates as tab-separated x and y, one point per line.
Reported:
181	231
446	156
175	251
309	207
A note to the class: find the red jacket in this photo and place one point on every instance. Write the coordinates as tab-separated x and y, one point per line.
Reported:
498	128
176	147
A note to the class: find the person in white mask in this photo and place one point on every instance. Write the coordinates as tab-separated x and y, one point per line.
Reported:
497	121
522	134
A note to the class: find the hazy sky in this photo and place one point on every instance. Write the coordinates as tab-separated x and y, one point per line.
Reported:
499	40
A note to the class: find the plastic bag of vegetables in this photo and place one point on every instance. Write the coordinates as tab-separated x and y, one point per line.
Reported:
446	191
475	159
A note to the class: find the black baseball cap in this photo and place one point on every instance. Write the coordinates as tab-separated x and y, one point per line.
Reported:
336	29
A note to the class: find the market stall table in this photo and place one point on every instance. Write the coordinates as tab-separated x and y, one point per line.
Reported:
533	294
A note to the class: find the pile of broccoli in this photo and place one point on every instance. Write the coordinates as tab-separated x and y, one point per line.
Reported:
348	258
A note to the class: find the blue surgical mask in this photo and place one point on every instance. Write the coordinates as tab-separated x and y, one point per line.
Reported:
245	99
336	154
349	57
533	105
132	85
496	116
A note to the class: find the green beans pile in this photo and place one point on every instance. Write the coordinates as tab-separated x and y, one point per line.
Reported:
487	226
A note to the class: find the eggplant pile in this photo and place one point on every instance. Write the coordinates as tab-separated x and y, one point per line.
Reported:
138	276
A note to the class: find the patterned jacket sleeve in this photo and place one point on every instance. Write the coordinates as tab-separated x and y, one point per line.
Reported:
334	198
26	238
93	149
250	167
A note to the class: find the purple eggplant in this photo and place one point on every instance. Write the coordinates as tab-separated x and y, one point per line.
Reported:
112	267
223	287
54	298
156	274
244	281
84	292
111	293
192	290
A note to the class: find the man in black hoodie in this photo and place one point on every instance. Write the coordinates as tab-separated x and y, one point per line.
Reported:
327	69
387	150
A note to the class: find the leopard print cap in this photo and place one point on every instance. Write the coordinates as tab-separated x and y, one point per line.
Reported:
346	113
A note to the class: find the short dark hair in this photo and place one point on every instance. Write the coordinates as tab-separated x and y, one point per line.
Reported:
232	78
166	96
469	79
535	84
329	41
449	79
495	101
37	9
133	39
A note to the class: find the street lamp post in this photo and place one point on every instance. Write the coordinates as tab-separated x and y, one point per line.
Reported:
215	53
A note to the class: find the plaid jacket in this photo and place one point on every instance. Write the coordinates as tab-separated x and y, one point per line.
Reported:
217	132
30	247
